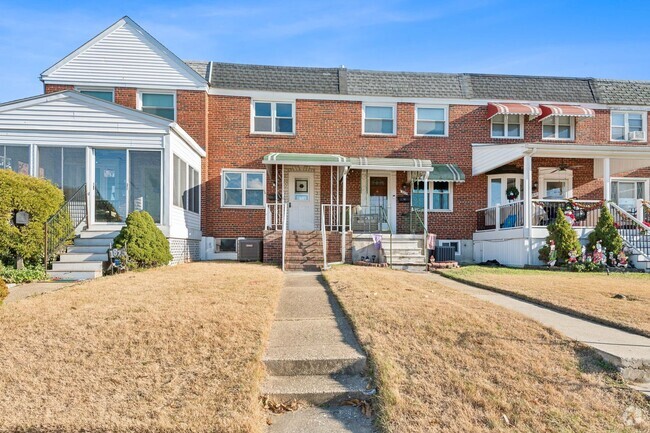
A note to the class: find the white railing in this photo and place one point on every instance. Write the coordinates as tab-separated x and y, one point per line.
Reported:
275	215
501	217
633	230
284	233
334	218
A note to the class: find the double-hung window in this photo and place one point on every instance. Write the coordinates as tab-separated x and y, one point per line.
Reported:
160	104
243	188
440	196
105	94
379	119
558	128
507	126
430	121
273	117
628	126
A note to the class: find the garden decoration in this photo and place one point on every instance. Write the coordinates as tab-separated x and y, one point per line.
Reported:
552	254
512	193
584	254
597	255
622	260
611	259
569	216
573	257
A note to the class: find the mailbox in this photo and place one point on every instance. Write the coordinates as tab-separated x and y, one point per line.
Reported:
21	218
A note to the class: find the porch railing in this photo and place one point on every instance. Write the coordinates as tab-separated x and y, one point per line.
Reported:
417	226
635	233
334	218
370	219
501	217
61	226
644	215
275	216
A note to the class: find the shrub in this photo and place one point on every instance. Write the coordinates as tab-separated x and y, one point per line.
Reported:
4	290
38	197
564	236
26	275
606	232
146	245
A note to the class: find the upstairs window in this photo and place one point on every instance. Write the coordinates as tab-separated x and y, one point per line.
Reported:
558	128
507	126
379	119
431	121
628	126
273	117
160	104
243	188
105	94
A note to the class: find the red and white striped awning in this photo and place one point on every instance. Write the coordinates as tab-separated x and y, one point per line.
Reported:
566	110
495	108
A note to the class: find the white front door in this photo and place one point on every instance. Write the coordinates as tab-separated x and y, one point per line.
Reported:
301	201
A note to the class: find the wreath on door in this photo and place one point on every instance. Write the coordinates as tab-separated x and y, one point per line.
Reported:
512	193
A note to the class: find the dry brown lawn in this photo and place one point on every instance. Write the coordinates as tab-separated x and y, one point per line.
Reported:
446	362
591	294
166	350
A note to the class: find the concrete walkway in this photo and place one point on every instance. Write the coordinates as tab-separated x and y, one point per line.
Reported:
629	352
22	291
313	357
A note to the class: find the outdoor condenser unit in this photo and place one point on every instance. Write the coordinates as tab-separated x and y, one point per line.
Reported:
249	250
445	254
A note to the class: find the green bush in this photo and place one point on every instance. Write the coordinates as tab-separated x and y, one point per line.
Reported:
4	290
146	245
40	199
26	275
565	239
606	233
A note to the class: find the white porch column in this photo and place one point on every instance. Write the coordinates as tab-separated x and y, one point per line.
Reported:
528	197
345	196
426	202
607	180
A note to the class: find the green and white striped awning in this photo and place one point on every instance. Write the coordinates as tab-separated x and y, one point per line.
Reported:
305	159
441	172
447	172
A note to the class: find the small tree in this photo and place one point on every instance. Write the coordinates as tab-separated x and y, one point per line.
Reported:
40	199
565	238
146	245
606	233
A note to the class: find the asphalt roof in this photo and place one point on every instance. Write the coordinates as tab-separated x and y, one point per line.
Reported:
342	81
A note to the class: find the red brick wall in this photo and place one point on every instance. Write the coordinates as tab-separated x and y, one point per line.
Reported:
126	96
51	88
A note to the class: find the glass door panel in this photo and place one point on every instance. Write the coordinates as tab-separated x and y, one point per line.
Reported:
110	186
74	170
145	182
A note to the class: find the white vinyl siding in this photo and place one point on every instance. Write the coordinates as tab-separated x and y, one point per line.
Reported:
507	126
431	121
379	119
623	123
125	57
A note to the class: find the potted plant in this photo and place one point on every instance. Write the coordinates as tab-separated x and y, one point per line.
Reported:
512	193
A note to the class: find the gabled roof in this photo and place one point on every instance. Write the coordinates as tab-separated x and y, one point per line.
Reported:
124	54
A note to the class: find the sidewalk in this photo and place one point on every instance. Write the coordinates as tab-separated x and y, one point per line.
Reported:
630	353
22	291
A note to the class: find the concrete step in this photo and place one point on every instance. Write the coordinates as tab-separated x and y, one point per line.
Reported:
94	234
83	257
641	387
88	249
74	276
316	390
298	257
411	267
317	419
77	266
308	267
93	242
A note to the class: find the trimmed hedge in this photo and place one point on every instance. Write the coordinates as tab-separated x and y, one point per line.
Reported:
146	245
38	197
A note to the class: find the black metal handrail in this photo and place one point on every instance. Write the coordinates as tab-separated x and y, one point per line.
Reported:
61	226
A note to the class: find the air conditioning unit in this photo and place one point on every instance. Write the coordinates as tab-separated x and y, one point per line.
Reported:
636	136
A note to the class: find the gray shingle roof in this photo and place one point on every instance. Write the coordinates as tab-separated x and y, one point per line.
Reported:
341	81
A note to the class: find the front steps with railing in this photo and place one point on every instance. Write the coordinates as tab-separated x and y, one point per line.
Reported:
304	251
407	252
86	258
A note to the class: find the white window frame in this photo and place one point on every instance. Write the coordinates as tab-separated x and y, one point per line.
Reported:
504	186
626	124
140	92
430	191
381	105
188	182
445	108
243	198
549	174
442	242
505	128
556	124
273	103
98	89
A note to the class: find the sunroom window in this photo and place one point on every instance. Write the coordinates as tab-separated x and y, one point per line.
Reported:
15	158
507	126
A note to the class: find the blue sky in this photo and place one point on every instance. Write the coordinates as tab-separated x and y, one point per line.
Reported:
598	38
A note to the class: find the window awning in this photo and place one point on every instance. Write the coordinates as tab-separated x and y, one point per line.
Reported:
392	164
565	110
495	108
446	172
305	159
